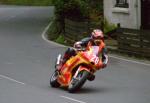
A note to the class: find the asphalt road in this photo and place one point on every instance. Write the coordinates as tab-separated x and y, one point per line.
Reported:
27	61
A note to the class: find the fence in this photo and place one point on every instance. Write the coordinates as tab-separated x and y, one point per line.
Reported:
134	41
75	30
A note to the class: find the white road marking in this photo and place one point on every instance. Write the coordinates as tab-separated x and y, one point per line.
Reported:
130	60
72	99
45	38
5	77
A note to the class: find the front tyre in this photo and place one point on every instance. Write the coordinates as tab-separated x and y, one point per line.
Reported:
77	83
53	80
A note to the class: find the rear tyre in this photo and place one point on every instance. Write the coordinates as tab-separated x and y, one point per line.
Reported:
77	83
53	80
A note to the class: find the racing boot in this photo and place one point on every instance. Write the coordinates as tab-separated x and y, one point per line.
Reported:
91	77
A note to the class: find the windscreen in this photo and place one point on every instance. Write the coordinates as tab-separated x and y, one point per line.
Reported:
95	50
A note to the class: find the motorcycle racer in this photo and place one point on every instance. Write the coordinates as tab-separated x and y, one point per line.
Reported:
96	39
78	64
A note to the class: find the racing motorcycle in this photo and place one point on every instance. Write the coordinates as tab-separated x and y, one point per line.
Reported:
79	68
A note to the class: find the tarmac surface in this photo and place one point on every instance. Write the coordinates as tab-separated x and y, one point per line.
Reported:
27	61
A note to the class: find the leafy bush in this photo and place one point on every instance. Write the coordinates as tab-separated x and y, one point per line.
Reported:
108	26
96	4
60	39
76	10
72	9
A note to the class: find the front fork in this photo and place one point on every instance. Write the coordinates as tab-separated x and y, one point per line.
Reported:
80	69
91	76
58	62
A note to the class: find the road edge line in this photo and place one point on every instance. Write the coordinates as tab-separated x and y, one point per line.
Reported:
44	33
137	62
72	99
8	78
51	42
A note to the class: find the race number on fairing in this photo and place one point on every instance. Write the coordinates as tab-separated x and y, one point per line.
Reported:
95	59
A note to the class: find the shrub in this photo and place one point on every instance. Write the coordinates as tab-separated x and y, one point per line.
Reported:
72	9
60	39
108	26
76	10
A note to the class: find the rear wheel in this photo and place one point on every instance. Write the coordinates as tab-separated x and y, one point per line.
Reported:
53	80
77	83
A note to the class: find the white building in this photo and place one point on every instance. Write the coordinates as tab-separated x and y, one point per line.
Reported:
132	14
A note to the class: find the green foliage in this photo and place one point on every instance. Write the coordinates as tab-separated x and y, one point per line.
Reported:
96	5
59	6
72	9
60	39
76	10
108	26
27	2
54	30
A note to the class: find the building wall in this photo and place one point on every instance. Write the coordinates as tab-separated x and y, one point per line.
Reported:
127	17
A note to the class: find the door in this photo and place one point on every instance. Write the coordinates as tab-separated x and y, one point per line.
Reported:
145	12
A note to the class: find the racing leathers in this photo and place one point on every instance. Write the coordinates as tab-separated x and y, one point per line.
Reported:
86	43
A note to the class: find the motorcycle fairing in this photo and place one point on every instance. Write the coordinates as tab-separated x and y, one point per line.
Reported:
81	58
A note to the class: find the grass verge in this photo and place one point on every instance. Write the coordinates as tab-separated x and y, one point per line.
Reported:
27	2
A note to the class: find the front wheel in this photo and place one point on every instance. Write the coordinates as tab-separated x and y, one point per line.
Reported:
77	83
53	80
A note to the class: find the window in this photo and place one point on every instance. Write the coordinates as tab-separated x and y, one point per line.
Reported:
122	3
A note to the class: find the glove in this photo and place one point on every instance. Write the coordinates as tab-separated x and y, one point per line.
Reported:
100	65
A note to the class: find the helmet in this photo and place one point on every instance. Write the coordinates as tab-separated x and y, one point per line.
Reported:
97	36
